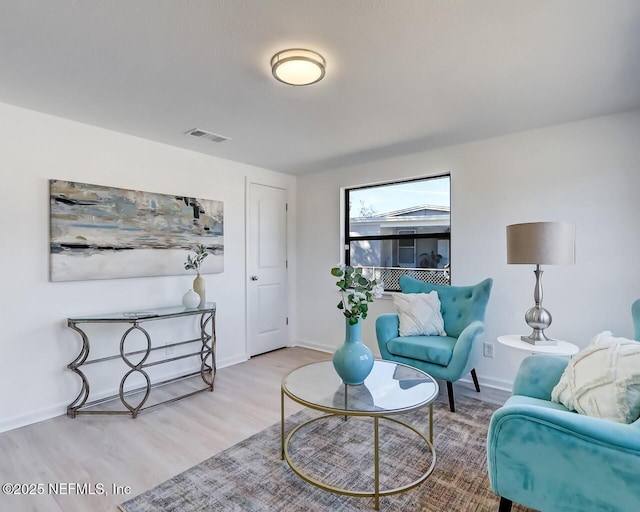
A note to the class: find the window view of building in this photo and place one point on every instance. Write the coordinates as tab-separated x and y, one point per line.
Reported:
400	228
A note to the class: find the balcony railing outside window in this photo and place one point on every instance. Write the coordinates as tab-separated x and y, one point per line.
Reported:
390	276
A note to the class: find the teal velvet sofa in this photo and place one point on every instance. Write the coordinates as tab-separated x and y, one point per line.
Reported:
444	357
548	458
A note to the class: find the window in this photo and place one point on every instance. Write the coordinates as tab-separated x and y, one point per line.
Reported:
407	249
400	228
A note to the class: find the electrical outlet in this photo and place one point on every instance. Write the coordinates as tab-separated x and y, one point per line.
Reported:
168	350
487	349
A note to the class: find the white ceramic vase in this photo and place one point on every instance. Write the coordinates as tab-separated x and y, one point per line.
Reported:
191	299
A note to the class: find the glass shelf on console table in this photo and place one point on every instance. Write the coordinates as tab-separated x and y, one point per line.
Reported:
206	352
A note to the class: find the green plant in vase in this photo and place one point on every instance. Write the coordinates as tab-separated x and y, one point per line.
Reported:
357	291
194	263
353	361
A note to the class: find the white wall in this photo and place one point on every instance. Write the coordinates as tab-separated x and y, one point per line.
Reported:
35	344
585	172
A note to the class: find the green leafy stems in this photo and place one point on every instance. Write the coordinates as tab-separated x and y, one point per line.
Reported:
195	262
357	291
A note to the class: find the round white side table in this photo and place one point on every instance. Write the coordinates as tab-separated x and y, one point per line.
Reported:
563	348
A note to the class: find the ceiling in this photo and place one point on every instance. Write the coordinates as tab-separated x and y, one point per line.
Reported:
402	75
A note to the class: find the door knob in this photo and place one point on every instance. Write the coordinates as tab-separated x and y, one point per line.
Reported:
254	278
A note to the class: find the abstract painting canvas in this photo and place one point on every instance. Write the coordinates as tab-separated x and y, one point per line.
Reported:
105	233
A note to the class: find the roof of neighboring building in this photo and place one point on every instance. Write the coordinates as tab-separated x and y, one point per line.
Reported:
415	209
415	212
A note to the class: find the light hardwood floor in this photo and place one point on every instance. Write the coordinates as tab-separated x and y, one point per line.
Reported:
157	445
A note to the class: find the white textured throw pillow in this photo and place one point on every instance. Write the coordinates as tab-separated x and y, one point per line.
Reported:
419	314
603	380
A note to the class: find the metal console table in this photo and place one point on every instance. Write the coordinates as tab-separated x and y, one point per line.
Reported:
206	352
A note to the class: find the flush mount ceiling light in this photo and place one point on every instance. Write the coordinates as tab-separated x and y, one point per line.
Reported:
297	66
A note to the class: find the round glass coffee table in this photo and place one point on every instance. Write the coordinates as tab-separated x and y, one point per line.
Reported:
390	389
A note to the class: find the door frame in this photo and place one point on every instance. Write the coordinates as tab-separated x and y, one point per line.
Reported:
286	185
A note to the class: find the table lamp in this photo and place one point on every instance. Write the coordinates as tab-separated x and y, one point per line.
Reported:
540	243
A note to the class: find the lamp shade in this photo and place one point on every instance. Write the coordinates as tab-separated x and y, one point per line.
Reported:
541	243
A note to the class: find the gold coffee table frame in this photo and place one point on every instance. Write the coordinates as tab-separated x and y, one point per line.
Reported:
345	412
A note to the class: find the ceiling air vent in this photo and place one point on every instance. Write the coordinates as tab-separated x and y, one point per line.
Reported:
203	134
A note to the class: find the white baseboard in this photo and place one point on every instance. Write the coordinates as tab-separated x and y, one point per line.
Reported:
60	409
314	346
501	384
33	417
230	361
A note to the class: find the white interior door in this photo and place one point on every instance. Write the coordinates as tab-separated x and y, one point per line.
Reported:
267	269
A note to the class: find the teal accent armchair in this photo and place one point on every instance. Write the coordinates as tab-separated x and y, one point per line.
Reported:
546	457
443	357
635	314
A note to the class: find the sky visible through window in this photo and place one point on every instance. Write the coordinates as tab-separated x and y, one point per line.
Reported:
369	202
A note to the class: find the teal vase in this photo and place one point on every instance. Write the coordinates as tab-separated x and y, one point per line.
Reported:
353	361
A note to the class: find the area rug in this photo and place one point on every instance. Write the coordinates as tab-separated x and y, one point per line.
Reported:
250	477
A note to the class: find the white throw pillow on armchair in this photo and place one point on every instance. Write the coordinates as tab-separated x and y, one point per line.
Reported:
419	314
603	380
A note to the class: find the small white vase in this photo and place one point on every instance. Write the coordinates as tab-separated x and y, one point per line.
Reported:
198	287
191	299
